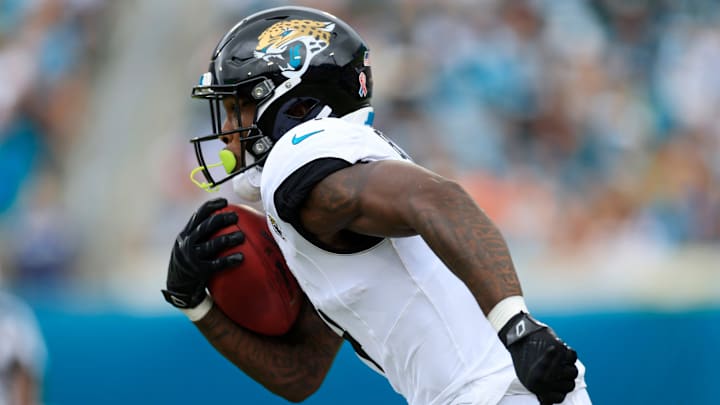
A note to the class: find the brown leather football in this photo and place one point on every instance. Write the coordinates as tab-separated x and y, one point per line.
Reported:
261	293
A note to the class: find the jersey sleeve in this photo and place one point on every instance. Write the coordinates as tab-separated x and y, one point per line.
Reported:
294	190
324	140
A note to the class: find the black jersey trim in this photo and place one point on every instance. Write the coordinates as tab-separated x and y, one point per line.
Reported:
294	190
357	347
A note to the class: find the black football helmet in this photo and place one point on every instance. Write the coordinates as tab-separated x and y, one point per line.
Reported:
281	59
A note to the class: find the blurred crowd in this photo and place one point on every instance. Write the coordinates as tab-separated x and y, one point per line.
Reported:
577	125
47	56
581	127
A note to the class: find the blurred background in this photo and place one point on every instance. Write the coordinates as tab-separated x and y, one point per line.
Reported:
588	130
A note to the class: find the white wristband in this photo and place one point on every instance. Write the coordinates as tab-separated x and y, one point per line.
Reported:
506	309
199	312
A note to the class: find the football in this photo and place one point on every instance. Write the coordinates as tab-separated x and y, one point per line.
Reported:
260	294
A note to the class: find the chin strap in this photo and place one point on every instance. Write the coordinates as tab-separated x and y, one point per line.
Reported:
227	161
204	185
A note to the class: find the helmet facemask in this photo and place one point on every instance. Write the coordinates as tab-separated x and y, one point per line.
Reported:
254	143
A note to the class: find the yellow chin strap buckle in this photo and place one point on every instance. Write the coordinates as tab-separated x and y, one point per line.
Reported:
204	185
227	161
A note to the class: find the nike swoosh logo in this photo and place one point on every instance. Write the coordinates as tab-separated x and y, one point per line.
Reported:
297	139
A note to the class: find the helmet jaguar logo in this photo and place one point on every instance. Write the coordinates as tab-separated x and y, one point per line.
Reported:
292	44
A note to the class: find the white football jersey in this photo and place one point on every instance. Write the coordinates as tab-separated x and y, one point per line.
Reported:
408	316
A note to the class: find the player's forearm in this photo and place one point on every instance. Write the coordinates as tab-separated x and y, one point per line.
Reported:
467	241
292	366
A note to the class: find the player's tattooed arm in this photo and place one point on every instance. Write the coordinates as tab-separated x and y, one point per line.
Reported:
292	366
468	242
392	198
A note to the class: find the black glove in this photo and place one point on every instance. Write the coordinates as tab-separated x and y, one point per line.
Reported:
544	364
194	257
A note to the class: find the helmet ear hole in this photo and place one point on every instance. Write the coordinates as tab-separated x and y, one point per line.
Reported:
277	120
301	108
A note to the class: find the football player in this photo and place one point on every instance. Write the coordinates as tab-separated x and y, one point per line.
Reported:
392	257
22	353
